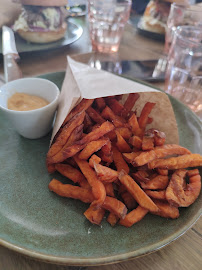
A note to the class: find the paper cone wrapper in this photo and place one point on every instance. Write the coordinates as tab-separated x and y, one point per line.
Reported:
82	81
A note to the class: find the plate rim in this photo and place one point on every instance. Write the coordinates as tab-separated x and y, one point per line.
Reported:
79	29
93	261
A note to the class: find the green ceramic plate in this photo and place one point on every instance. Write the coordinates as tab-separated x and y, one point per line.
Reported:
40	224
74	32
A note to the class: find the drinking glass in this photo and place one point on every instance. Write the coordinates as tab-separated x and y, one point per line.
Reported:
184	68
181	15
107	19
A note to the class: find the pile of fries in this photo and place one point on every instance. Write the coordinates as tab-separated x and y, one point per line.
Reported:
120	167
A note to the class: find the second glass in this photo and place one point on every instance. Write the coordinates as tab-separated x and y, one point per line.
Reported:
107	19
181	15
184	68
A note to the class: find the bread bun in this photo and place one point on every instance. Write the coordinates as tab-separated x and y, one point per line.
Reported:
48	3
43	37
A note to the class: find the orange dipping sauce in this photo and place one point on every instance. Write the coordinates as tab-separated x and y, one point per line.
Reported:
25	102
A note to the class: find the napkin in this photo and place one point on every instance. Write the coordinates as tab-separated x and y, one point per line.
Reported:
82	81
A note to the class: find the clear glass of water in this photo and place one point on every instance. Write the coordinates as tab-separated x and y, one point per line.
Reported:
184	68
107	19
181	15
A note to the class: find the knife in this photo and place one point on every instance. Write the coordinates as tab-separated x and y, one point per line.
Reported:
10	55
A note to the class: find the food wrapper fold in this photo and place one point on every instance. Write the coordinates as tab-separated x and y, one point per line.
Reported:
82	81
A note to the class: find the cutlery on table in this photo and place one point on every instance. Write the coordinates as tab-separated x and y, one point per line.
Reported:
10	55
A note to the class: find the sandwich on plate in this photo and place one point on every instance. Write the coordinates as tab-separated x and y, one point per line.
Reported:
156	14
42	21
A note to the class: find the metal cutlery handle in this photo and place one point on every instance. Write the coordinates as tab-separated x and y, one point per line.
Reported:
11	68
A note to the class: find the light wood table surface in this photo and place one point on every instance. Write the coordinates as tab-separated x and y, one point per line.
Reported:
183	254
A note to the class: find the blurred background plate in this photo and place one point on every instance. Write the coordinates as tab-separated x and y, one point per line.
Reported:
44	226
73	33
149	34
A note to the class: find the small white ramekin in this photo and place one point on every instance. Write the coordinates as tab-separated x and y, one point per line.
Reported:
32	124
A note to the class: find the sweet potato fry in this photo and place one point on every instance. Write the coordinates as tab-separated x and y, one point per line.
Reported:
125	132
129	103
95	116
106	152
134	216
178	193
93	159
66	152
162	171
130	157
98	188
136	130
139	195
71	162
141	176
121	189
112	219
115	206
51	168
128	200
82	106
70	191
94	216
107	148
73	174
159	152
166	210
149	120
159	136
160	194
75	136
158	182
115	106
91	148
105	174
65	190
109	189
143	119
136	142
64	135
111	135
87	123
147	143
69	151
106	158
121	144
119	161
98	132
108	114
180	162
100	103
160	185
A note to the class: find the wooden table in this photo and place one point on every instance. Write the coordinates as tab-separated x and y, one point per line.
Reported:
183	254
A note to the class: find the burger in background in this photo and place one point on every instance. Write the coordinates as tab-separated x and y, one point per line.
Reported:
42	21
156	14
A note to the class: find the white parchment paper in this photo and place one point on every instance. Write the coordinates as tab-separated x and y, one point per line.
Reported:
82	81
